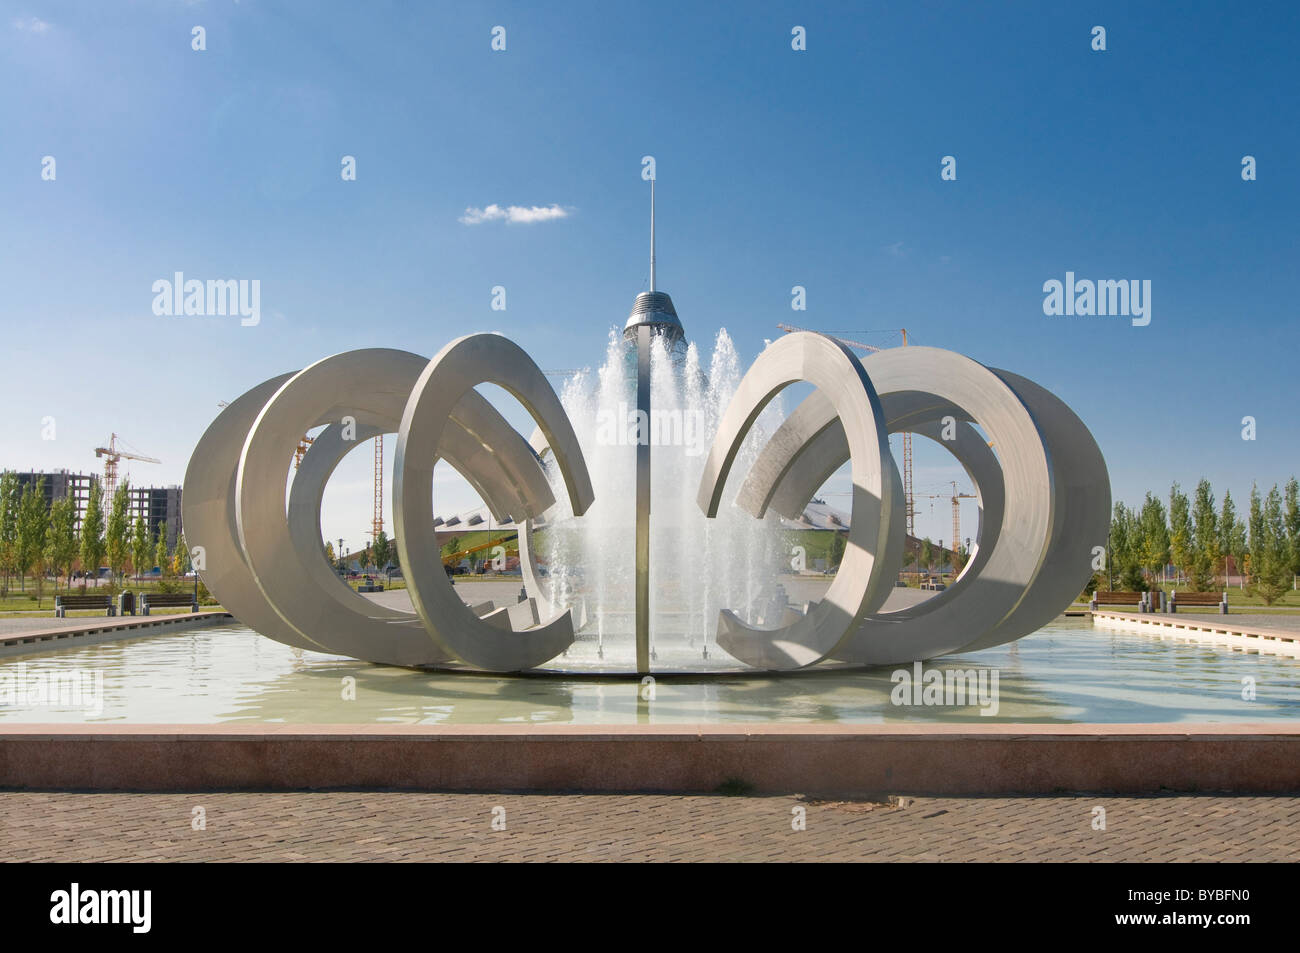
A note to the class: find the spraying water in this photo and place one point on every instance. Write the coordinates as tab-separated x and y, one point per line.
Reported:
697	565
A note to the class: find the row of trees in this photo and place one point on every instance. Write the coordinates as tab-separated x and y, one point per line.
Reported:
933	553
378	554
41	541
1197	538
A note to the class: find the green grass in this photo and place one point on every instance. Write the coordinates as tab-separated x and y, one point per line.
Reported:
1244	597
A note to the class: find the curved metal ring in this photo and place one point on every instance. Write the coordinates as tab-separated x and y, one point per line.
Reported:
309	606
864	577
492	642
1028	564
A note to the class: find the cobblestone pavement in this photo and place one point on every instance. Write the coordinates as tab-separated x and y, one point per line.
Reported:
386	825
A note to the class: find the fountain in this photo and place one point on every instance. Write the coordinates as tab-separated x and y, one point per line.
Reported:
696	566
656	560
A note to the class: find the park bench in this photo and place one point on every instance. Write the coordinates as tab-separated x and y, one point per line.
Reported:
1106	597
1218	599
63	603
160	600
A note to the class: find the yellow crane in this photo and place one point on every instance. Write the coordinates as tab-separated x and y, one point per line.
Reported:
956	511
453	559
299	451
112	454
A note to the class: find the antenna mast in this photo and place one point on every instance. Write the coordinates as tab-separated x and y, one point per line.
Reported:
652	234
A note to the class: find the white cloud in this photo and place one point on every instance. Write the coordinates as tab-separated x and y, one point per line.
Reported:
31	25
513	214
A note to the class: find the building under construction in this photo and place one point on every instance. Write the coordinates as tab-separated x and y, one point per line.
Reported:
60	485
154	504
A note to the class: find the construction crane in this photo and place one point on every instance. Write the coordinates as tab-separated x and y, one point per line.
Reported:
908	497
377	518
791	329
112	454
956	511
300	451
453	559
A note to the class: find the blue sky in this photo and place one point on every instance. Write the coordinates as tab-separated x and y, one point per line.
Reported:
818	168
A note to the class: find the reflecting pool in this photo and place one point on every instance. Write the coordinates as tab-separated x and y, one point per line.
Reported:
1066	672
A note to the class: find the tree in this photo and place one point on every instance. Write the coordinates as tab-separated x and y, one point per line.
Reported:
181	556
1232	535
1181	545
381	550
1205	532
1241	552
161	554
33	527
1256	527
329	554
141	547
1118	542
366	558
1126	548
1154	531
92	532
9	501
1274	560
1292	521
63	536
927	553
117	535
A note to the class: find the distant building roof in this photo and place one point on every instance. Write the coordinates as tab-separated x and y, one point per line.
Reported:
478	520
818	515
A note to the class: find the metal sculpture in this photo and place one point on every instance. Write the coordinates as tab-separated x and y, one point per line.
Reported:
1041	483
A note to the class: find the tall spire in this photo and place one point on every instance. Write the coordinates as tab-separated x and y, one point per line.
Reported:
654	307
652	234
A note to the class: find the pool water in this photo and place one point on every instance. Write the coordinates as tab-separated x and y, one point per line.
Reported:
1066	672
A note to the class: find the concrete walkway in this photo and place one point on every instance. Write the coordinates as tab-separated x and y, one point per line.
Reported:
378	826
48	634
1240	632
1289	621
46	622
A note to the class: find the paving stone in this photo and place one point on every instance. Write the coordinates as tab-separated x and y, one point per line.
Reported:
416	826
